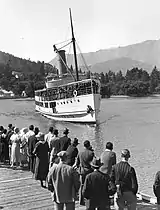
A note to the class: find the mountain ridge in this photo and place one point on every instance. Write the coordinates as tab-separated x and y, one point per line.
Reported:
144	53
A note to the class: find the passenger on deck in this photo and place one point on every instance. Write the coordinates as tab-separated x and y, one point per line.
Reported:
125	179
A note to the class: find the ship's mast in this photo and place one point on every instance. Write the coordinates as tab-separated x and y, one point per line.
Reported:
74	47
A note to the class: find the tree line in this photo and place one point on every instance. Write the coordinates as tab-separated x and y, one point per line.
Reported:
136	82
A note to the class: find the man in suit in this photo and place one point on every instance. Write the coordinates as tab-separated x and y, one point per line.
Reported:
72	152
83	162
108	158
63	182
97	188
32	140
64	141
125	179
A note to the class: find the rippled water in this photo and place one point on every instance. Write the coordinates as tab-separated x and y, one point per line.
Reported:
128	123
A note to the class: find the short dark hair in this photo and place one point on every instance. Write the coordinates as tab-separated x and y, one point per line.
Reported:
31	127
36	130
109	145
55	132
86	144
51	129
10	125
5	131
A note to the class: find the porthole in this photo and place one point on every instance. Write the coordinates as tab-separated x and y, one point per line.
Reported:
64	102
71	101
78	100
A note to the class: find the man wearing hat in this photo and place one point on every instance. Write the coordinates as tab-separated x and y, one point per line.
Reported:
72	152
125	179
63	182
64	141
97	188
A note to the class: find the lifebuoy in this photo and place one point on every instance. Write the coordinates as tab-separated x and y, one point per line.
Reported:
75	93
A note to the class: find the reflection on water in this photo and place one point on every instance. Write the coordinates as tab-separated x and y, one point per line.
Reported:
128	123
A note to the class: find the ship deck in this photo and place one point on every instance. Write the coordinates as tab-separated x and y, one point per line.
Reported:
19	191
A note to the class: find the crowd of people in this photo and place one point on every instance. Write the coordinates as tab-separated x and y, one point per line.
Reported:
71	175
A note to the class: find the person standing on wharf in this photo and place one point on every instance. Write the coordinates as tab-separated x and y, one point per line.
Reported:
63	182
108	158
125	179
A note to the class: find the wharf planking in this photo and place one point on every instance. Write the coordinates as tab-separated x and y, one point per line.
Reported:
19	191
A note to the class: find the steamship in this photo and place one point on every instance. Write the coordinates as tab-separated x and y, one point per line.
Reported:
67	97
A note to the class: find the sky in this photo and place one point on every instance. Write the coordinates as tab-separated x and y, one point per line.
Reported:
29	28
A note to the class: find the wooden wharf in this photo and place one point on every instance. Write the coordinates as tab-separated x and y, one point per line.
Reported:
19	191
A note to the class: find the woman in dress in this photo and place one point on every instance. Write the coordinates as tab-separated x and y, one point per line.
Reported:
42	164
15	148
23	146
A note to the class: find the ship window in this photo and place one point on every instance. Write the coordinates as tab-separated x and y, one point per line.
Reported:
67	102
57	103
64	102
52	104
78	100
71	101
61	102
46	105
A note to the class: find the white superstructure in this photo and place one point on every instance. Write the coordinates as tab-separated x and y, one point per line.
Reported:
72	102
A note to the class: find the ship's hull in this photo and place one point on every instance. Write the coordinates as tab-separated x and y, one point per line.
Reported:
73	109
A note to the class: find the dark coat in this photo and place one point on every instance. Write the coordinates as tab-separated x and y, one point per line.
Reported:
156	185
72	153
97	188
83	163
42	163
125	176
84	159
32	140
64	143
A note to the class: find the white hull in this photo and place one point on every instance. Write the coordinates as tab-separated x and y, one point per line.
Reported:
73	109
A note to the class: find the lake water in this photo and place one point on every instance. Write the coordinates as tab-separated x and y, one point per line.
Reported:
128	123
